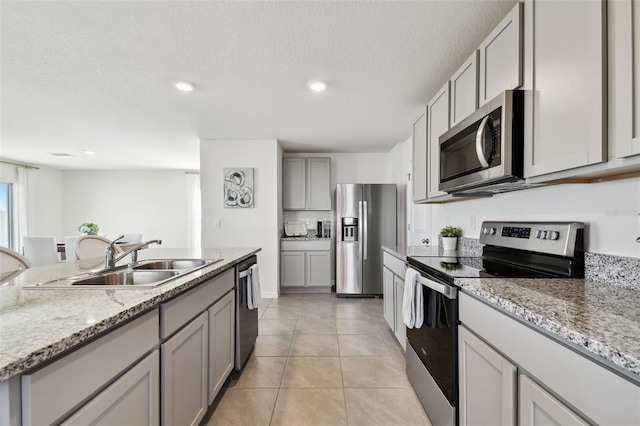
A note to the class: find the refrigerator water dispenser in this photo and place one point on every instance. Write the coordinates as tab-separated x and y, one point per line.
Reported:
349	229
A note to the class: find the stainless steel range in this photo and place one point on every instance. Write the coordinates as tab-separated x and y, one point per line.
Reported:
512	249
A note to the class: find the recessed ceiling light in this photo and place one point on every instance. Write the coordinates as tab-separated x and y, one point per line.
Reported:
317	86
185	86
86	151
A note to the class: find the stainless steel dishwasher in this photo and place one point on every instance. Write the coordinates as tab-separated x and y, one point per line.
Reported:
246	319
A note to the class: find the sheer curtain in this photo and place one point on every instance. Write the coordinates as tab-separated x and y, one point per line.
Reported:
26	204
193	210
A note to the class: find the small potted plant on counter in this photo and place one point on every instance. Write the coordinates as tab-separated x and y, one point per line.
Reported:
450	236
89	228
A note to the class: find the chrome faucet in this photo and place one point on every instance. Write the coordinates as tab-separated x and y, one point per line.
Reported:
110	258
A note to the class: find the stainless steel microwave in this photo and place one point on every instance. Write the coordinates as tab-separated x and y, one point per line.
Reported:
484	152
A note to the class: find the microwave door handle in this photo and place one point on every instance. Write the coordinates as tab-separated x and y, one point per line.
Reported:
479	137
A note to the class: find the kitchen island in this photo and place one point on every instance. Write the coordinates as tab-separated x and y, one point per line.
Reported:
40	326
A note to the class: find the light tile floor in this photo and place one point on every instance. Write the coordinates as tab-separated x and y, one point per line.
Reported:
322	360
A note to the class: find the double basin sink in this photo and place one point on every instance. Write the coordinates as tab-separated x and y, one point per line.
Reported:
145	274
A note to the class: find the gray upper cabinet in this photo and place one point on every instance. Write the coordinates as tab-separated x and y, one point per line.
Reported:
501	57
464	90
624	78
438	123
306	183
419	174
564	75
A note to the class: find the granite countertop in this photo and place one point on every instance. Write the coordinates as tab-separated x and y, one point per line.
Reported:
402	252
601	320
38	324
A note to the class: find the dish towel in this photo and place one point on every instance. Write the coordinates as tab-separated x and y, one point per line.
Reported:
253	287
409	299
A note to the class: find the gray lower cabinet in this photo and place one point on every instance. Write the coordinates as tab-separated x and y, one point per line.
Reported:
134	399
538	407
387	295
393	272
318	268
185	373
292	265
221	342
306	265
400	330
487	383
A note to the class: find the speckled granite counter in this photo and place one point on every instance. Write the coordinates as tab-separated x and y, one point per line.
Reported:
38	324
402	252
601	319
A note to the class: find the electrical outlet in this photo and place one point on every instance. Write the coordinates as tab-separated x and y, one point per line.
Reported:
446	221
218	222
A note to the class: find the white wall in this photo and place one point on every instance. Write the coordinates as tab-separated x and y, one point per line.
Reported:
251	227
609	209
49	189
153	203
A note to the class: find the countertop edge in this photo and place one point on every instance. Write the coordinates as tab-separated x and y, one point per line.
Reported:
78	339
394	253
597	351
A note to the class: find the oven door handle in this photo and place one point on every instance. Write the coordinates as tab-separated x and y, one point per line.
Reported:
446	290
479	137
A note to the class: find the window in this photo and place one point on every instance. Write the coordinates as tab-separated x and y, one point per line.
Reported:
6	216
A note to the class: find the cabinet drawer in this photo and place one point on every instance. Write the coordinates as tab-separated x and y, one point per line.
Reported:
177	312
52	391
324	244
396	265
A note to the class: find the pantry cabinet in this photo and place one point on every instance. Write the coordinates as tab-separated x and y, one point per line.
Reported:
624	78
438	123
464	90
487	383
501	57
565	78
419	174
537	407
306	183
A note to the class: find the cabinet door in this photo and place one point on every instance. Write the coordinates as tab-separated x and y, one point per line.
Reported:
438	123
184	374
292	265
318	184
294	183
419	174
487	383
538	407
387	297
624	77
501	57
400	328
565	80
318	268
221	342
464	90
132	400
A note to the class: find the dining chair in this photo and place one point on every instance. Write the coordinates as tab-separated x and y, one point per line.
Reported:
12	261
89	246
40	250
70	248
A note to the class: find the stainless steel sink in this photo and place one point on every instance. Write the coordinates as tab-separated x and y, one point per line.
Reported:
128	278
146	274
175	264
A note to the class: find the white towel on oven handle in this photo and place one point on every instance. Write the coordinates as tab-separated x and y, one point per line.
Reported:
412	311
253	287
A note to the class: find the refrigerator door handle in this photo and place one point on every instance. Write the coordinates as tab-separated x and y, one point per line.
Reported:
360	234
364	233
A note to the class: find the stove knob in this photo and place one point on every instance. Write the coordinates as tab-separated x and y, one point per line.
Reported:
553	235
492	231
541	235
483	231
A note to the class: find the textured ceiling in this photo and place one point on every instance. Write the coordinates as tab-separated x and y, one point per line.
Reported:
97	75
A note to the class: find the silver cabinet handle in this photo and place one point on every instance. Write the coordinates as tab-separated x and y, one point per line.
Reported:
479	137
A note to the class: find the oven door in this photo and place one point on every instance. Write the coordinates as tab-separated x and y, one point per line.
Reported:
478	151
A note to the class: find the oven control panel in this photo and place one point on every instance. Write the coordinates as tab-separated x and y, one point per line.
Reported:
560	238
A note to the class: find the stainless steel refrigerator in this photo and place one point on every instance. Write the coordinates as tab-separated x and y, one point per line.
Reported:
366	220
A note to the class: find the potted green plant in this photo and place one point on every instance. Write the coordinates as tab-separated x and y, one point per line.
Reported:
450	236
89	228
